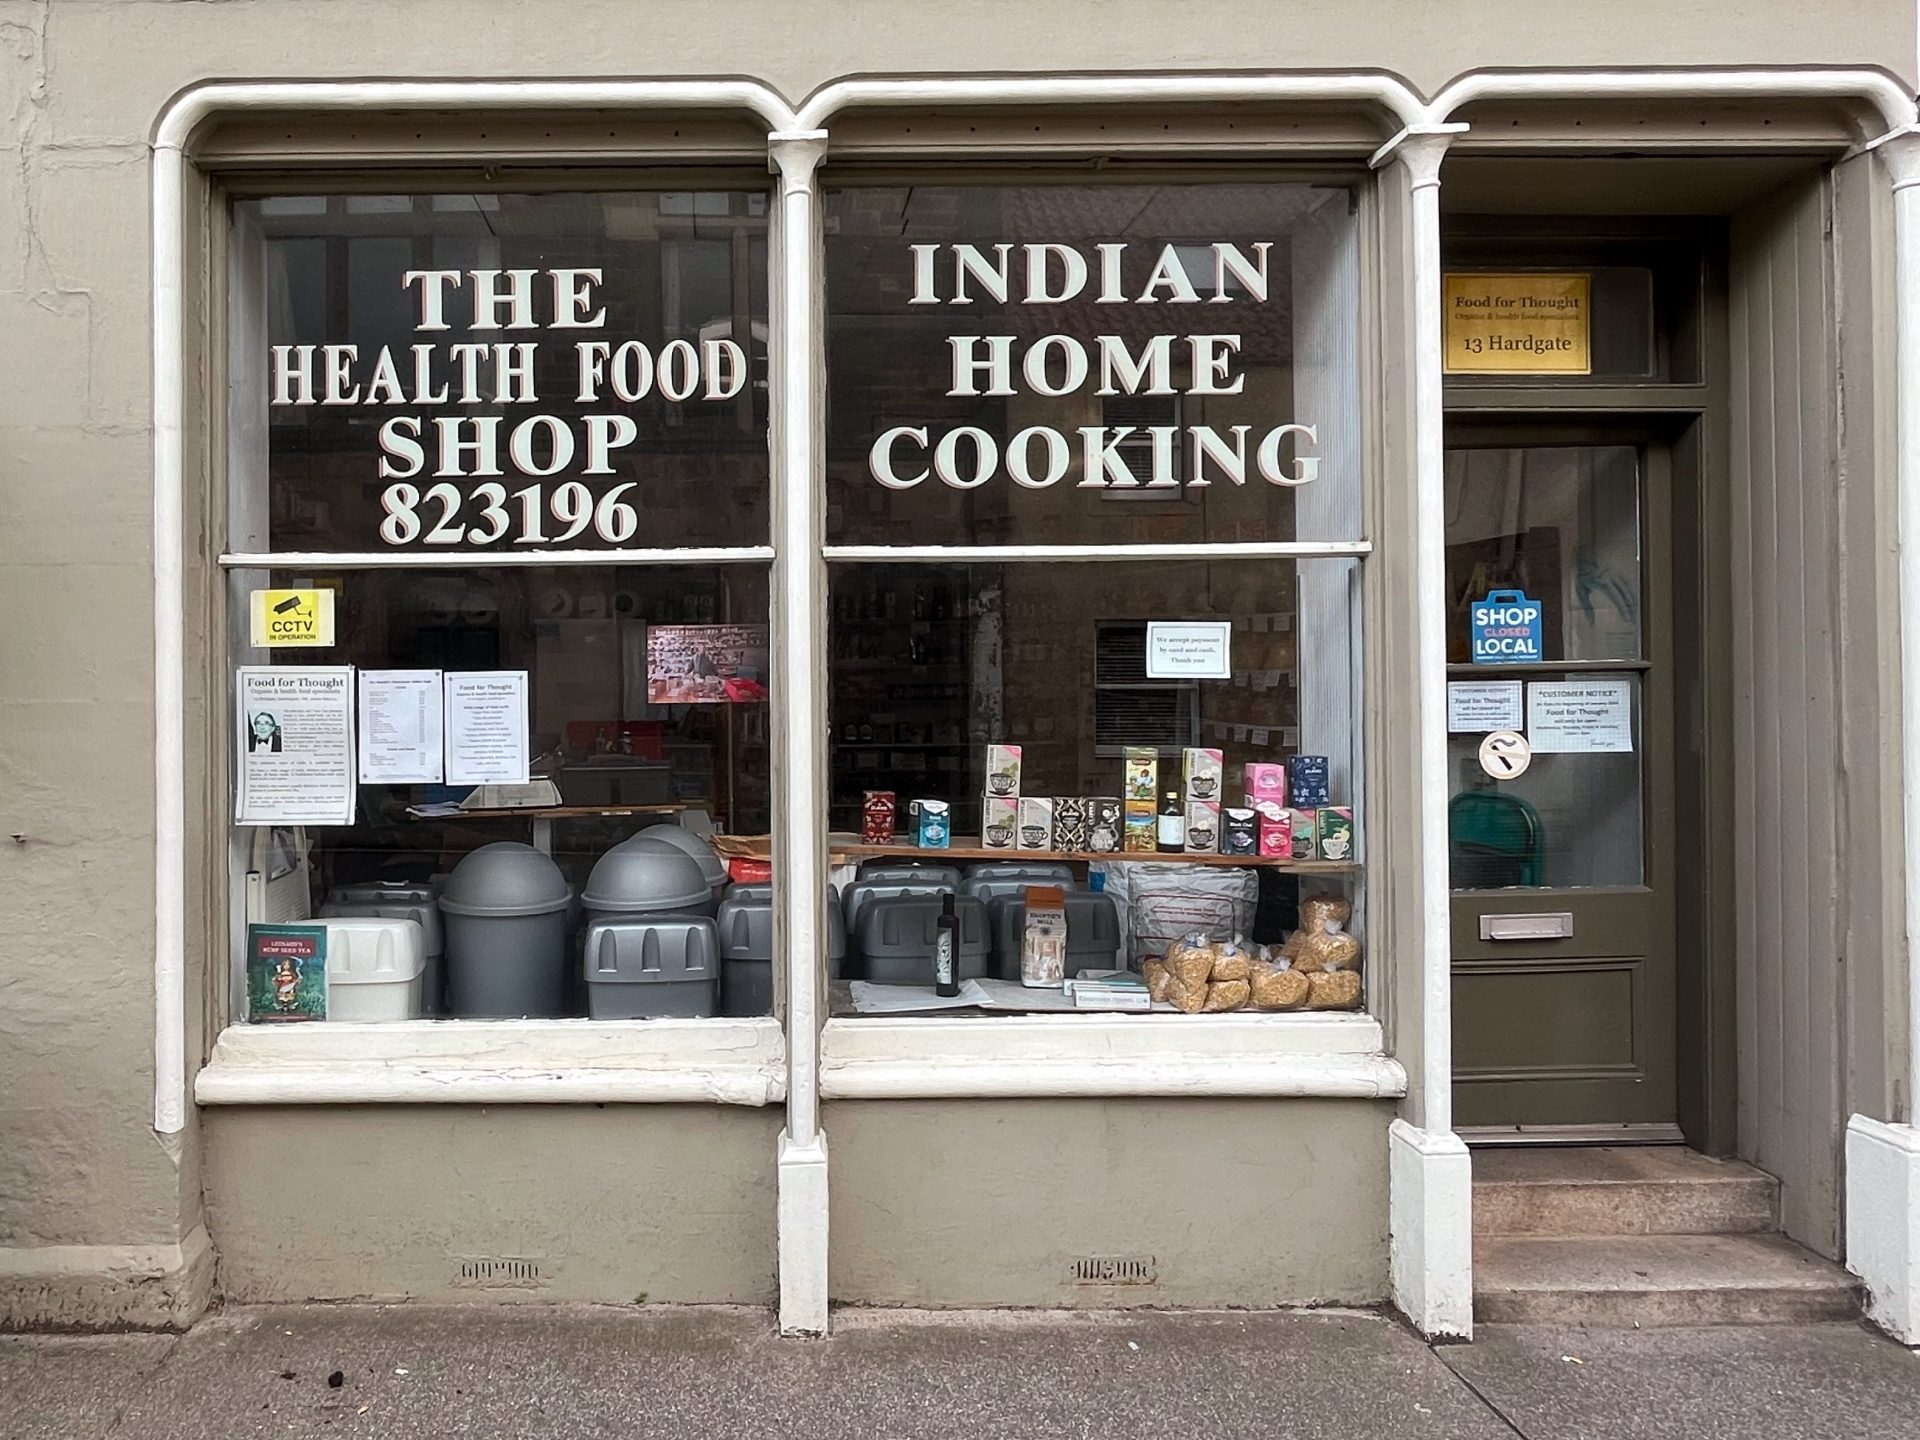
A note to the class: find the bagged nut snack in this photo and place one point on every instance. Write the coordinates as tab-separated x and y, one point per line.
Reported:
1157	976
1188	999
1231	960
1320	943
1226	995
1333	990
1274	987
1192	967
1324	912
1192	940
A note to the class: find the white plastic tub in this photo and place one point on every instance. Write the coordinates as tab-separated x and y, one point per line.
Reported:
376	968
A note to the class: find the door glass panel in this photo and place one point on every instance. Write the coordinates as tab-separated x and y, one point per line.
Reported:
1561	523
1573	817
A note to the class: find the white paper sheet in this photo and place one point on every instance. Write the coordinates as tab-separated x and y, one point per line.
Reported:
294	745
1478	707
1189	649
871	999
486	723
400	727
1580	717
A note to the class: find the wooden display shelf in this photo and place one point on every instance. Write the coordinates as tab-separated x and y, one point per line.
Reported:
849	846
555	812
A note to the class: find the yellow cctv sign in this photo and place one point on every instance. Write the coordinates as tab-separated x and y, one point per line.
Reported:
283	618
1520	324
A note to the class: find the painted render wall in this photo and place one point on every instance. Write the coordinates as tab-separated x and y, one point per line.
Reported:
81	85
988	1202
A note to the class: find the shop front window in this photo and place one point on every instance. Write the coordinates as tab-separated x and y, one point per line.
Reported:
498	559
1093	542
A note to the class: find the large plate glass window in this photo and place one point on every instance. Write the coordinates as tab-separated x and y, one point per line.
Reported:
498	550
1094	538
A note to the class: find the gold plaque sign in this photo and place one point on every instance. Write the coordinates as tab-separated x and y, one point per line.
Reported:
1518	324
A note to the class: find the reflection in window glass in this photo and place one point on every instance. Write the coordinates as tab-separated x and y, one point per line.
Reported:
1004	358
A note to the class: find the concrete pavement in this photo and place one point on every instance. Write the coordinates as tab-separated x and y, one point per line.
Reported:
398	1372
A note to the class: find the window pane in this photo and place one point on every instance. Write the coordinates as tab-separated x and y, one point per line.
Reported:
514	372
1092	364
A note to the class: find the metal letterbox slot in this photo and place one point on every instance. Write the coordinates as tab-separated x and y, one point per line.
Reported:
1554	925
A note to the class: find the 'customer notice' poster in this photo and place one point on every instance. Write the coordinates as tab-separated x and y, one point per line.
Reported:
400	722
294	745
486	719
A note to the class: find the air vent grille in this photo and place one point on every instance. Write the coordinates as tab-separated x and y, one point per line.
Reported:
500	1272
1114	1270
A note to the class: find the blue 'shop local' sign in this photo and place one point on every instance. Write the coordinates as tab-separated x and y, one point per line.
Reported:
1506	628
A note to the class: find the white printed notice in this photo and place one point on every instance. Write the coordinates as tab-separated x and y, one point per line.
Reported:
294	745
400	742
486	727
1580	717
1189	649
1476	707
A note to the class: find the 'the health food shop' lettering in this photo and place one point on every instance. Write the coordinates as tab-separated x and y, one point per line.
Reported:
413	380
1201	363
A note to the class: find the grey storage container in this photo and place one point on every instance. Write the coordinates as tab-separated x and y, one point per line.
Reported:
505	909
645	876
1093	933
948	875
400	900
863	892
654	967
998	878
746	948
681	838
897	934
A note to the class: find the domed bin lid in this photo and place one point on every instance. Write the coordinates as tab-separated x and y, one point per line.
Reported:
646	876
505	879
712	867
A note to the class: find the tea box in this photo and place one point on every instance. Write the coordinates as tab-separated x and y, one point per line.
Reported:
1264	780
1307	782
1200	774
1239	831
1003	770
1036	823
1142	829
1336	832
999	821
1103	822
933	824
1305	833
877	814
1141	777
1276	830
1069	822
1203	827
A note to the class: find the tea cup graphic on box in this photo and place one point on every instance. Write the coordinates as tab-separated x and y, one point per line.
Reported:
1276	830
1203	827
999	821
1003	770
1336	832
1264	780
1104	817
1239	831
1036	823
1200	772
1306	833
933	820
1141	778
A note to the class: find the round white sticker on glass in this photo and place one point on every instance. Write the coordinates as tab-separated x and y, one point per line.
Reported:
1505	754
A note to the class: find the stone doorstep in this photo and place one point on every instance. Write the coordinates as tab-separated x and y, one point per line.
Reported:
1619	1191
1657	1280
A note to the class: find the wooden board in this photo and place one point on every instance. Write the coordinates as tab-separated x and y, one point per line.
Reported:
847	846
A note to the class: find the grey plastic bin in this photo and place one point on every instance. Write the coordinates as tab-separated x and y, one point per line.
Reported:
933	874
862	893
1093	933
746	948
505	908
897	935
681	838
400	900
656	967
989	882
645	876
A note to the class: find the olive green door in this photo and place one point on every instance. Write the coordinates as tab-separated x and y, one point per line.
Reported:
1561	847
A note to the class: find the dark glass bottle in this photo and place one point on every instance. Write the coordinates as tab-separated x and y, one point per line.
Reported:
1172	823
946	951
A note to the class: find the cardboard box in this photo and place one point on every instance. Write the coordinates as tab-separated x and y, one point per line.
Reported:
1003	771
1141	777
1264	780
1043	945
999	821
1203	827
1239	830
1307	782
1336	832
1306	833
1036	823
1141	832
1069	822
1276	830
877	814
1201	775
933	824
1105	818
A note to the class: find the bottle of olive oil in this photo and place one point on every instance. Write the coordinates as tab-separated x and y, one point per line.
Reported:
946	951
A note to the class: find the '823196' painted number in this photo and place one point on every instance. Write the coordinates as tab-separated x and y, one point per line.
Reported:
489	513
